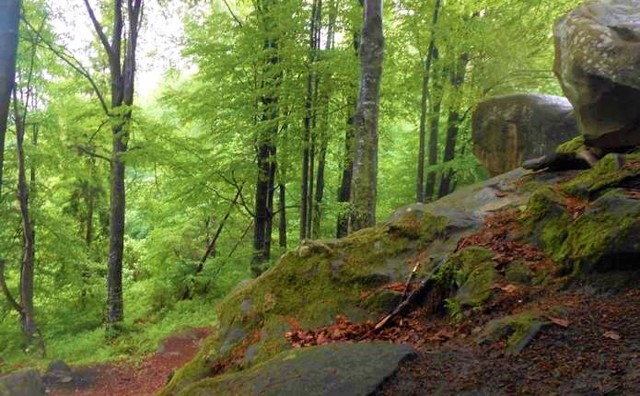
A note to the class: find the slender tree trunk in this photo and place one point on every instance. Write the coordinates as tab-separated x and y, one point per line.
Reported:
282	211
319	194
266	148
9	24
344	193
308	152
27	269
365	164
424	104
121	55
453	124
434	131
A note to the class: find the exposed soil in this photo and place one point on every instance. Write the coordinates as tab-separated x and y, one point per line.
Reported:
597	353
125	379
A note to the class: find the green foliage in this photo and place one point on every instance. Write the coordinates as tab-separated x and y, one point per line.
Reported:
194	145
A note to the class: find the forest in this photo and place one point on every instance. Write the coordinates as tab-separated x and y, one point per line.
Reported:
156	154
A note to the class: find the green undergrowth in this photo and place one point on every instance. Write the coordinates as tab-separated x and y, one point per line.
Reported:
141	334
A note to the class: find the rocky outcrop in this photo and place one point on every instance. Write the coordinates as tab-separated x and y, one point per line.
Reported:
510	129
598	64
27	383
338	369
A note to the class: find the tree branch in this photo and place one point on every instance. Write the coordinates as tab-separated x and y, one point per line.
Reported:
98	28
74	64
238	21
90	153
5	290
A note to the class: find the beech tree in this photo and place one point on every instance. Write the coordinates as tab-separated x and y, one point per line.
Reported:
121	57
365	121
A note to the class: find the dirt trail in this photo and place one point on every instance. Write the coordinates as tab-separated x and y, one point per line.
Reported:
124	379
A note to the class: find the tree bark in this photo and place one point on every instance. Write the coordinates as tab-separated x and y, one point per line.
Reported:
9	24
424	103
265	145
453	124
434	131
27	268
365	165
122	76
344	193
306	188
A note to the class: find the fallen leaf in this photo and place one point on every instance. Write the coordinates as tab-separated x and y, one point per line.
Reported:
611	335
501	194
509	289
559	321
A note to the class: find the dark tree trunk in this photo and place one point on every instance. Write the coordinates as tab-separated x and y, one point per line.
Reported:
308	151
282	211
365	160
121	55
434	131
319	194
424	104
27	268
453	125
266	148
9	23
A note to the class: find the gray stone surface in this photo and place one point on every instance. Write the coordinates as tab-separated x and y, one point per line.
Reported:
27	383
336	369
510	129
598	64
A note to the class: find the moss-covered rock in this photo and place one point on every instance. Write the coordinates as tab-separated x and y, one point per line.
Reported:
604	238
547	220
474	275
337	369
607	173
309	287
518	330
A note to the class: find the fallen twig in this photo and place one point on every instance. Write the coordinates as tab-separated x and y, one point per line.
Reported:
424	284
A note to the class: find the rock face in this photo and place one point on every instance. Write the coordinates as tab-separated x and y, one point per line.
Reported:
27	383
338	369
580	223
510	129
598	64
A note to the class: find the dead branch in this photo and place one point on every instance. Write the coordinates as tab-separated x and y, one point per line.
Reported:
422	287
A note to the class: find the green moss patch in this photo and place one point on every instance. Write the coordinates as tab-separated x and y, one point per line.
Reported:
519	330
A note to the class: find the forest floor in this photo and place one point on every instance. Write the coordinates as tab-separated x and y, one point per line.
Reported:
593	349
128	379
588	343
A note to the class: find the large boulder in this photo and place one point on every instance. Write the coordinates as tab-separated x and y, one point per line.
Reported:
598	64
512	128
338	369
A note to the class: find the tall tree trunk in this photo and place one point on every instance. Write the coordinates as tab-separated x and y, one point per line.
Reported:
344	193
308	151
9	24
365	164
319	194
453	124
424	103
434	131
27	269
323	105
121	55
266	147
